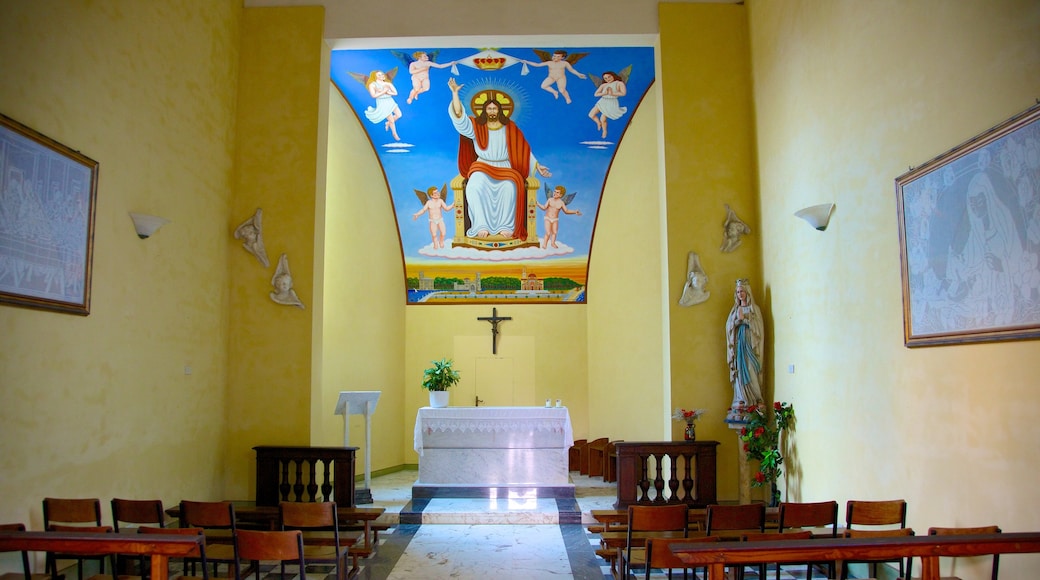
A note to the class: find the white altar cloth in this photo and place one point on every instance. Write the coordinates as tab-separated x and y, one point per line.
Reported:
489	446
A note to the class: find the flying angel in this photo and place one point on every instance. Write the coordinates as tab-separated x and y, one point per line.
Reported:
555	202
419	64
381	87
559	63
433	202
609	88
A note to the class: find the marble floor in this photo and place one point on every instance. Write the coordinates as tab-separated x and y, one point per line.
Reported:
504	538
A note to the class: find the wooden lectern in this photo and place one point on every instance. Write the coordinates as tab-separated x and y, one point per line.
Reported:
359	403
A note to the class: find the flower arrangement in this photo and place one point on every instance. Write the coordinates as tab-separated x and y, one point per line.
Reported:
687	415
761	437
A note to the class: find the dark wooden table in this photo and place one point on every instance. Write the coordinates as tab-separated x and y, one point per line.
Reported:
160	548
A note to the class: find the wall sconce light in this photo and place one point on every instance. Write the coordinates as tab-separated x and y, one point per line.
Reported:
146	225
818	216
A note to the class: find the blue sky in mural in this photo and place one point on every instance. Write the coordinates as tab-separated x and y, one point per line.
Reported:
561	135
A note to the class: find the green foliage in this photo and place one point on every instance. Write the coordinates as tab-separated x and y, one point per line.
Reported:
761	437
499	283
412	283
559	284
441	376
440	283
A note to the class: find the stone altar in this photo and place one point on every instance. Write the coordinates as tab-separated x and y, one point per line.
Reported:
478	451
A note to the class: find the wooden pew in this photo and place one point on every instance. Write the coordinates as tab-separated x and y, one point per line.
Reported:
929	549
159	548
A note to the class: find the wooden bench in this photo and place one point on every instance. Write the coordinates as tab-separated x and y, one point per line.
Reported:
159	548
716	556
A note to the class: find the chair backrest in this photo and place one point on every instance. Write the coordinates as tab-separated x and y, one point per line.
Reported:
659	552
896	533
71	511
971	531
875	513
658	518
298	515
138	511
819	514
281	546
208	514
720	517
19	527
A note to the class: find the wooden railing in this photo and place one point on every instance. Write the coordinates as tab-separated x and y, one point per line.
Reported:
304	474
686	469
160	547
717	555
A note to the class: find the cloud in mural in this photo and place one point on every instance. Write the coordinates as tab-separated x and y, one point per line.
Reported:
527	253
489	59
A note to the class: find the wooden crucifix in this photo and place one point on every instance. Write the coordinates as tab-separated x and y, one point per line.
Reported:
494	319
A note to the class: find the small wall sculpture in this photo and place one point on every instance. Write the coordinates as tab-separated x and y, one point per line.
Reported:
695	290
283	285
251	232
732	230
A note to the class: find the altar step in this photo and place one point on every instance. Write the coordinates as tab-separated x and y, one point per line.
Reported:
491	511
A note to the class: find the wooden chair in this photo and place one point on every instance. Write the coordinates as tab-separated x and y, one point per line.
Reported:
645	521
73	515
279	546
217	519
659	554
26	568
733	521
138	512
774	537
876	516
318	520
610	462
797	515
575	453
597	451
198	557
586	454
969	531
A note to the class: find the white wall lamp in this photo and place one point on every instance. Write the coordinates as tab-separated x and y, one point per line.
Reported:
146	225
818	216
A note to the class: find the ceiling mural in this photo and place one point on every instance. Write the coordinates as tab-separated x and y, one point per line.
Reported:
495	159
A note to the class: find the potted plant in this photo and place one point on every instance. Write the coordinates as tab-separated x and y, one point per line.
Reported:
761	436
437	379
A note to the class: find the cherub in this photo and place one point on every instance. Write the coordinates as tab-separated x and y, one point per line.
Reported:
283	285
419	65
381	87
554	204
559	64
251	232
732	229
433	202
608	88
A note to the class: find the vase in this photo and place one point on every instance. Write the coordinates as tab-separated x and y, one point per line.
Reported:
774	499
690	434
438	399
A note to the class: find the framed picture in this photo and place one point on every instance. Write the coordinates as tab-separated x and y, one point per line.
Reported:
48	195
969	239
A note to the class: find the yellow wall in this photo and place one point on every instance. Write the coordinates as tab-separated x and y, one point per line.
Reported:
848	95
101	405
281	94
363	344
709	152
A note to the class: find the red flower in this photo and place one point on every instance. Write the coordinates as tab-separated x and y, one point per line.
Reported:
743	431
759	431
778	406
760	477
746	448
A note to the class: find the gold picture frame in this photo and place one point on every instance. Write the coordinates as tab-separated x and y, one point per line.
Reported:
969	239
48	195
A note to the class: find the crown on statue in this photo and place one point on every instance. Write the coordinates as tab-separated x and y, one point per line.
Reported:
490	62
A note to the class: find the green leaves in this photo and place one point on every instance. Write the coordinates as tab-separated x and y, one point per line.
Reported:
761	437
441	376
